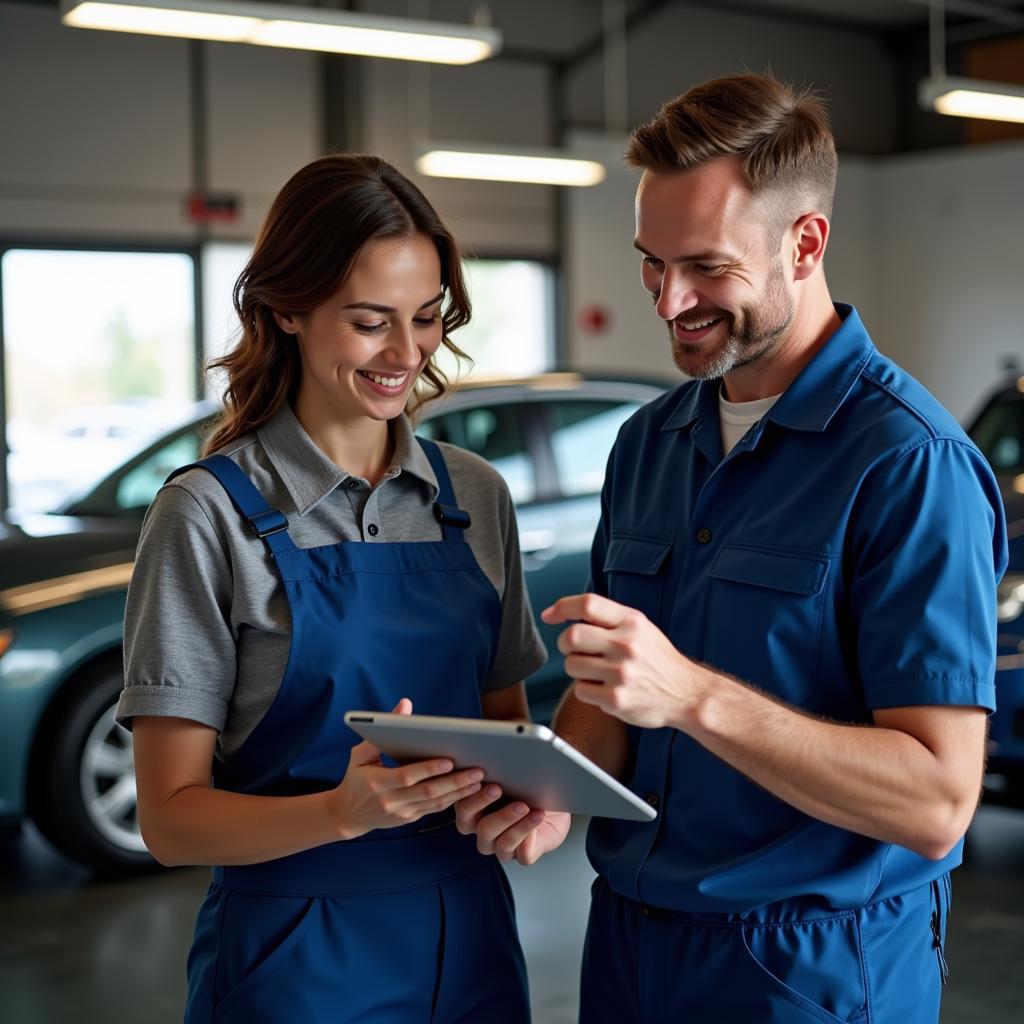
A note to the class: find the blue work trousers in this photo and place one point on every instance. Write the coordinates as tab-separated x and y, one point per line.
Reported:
788	962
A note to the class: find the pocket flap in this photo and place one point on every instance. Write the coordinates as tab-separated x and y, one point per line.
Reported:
793	573
636	554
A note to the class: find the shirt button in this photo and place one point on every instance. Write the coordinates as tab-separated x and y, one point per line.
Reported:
703	535
373	529
652	799
645	910
353	485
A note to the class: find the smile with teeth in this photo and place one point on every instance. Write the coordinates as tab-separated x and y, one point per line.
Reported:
699	326
385	382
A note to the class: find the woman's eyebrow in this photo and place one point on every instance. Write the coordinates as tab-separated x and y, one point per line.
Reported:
376	307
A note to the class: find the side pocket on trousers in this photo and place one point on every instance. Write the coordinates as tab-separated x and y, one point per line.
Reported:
237	1001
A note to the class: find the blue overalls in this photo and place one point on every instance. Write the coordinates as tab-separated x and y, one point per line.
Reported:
409	925
843	557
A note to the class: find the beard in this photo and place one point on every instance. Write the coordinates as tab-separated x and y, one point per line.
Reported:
754	332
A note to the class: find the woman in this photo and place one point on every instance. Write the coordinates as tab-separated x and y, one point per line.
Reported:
324	559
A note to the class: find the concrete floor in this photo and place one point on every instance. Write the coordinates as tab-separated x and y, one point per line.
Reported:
73	949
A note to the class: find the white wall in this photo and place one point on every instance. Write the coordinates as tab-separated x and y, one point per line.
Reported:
95	137
949	232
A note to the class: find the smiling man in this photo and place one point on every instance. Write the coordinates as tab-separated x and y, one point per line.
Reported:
788	644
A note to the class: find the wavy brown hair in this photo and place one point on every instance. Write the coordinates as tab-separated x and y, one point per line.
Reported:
305	250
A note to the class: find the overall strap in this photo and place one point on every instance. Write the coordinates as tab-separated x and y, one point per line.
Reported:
453	519
267	523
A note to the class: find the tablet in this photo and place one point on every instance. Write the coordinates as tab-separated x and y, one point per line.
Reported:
528	761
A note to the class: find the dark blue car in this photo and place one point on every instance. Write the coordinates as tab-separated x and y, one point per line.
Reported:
998	430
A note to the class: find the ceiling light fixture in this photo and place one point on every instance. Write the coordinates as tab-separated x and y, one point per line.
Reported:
964	97
972	97
534	165
303	28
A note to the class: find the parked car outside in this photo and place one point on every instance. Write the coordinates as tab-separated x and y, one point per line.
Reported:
998	430
46	465
67	765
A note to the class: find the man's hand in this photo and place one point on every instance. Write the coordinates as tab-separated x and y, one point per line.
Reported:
624	664
513	832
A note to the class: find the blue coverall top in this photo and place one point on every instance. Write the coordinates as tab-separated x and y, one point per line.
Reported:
844	558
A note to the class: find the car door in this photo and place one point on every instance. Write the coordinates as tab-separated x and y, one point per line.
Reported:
556	533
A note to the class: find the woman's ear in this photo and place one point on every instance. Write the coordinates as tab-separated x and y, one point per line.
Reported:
288	323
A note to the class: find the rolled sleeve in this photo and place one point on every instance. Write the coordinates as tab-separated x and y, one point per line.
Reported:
179	645
929	551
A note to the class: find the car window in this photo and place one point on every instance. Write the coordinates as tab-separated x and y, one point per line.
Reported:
138	486
582	434
496	434
999	433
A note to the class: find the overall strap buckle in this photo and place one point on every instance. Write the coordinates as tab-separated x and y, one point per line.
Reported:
448	515
264	524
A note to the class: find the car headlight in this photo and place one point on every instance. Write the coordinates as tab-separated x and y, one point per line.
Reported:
1010	597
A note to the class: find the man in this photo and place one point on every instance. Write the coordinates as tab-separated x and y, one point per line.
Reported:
789	642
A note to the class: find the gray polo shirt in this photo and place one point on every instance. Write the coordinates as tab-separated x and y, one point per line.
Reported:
207	627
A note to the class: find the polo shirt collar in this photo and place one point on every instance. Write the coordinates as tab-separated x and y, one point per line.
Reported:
813	398
309	475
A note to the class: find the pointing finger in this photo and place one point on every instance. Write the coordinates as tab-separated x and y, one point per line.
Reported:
592	608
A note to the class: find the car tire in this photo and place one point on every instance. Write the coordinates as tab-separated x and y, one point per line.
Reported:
82	778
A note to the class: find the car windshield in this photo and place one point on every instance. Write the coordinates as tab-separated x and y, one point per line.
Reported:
999	433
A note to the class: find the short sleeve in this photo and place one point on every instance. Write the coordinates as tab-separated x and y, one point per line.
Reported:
520	649
179	647
928	548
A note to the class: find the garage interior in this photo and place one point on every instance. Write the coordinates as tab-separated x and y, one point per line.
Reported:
120	143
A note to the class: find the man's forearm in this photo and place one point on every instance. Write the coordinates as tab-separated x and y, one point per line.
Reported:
877	781
594	734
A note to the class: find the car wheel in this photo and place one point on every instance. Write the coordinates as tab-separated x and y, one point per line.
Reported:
82	790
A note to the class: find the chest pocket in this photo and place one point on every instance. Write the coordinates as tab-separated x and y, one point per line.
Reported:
636	571
764	618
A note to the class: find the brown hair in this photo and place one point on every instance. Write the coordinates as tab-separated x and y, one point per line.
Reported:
781	134
306	248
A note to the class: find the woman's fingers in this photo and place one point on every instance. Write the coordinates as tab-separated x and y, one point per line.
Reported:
364	753
444	785
445	801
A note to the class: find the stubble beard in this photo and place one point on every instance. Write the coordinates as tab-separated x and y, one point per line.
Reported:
758	332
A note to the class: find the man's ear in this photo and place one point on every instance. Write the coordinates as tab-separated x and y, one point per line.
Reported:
810	236
288	323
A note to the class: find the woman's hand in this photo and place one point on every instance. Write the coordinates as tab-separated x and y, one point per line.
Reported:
373	796
513	832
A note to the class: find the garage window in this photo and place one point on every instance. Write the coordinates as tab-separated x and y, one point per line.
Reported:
99	358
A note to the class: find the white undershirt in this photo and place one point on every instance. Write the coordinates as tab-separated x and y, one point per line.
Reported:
738	417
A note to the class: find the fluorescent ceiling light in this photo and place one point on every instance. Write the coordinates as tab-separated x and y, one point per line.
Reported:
972	97
306	28
536	166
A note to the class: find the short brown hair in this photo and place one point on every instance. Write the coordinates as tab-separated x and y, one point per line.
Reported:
321	218
782	136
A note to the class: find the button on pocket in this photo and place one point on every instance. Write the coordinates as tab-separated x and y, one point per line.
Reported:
764	618
636	567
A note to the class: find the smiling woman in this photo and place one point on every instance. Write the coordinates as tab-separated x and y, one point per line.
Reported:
323	558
